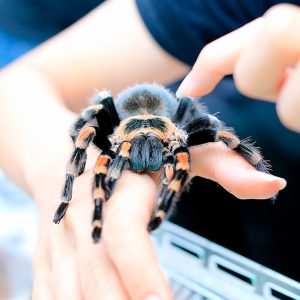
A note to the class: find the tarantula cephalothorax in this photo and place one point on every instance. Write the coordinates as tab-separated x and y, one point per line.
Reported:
146	129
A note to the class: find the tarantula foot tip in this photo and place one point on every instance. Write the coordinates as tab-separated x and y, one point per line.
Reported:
96	234
154	223
60	212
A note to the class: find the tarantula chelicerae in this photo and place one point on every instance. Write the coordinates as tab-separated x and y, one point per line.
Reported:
146	129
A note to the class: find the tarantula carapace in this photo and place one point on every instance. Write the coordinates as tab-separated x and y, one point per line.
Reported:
146	129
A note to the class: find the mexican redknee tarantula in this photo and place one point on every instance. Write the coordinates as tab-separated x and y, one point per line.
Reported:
146	129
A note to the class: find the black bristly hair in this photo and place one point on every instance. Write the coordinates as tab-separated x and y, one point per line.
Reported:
146	99
145	123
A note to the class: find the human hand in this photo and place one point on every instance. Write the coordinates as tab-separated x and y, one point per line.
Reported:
68	265
263	58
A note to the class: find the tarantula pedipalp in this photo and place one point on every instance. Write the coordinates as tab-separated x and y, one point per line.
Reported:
146	129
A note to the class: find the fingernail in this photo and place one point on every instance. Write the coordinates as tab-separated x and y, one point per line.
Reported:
272	178
152	297
181	92
282	183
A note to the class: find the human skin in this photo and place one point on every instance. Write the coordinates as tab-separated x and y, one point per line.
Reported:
263	57
40	94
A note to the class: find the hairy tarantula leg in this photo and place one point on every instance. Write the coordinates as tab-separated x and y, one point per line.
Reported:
173	190
208	129
101	169
103	110
86	116
247	150
184	107
75	168
120	163
167	174
192	109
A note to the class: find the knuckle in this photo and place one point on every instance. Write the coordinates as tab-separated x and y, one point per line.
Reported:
287	118
206	57
206	52
278	10
243	85
93	275
281	21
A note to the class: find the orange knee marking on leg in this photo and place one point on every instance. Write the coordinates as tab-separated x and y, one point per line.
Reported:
102	160
234	140
126	146
182	157
227	134
125	149
86	133
182	161
102	169
83	135
101	164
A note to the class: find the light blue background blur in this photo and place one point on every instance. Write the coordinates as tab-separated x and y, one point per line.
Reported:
18	215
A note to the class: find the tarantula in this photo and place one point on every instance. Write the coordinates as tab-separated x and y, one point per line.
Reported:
146	129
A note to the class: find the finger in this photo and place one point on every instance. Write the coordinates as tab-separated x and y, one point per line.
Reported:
127	241
41	266
217	162
216	60
41	285
98	277
260	69
288	106
65	282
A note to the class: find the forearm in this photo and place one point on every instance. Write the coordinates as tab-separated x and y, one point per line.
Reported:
32	118
110	48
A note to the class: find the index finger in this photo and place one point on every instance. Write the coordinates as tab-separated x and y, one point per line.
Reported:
127	240
217	60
